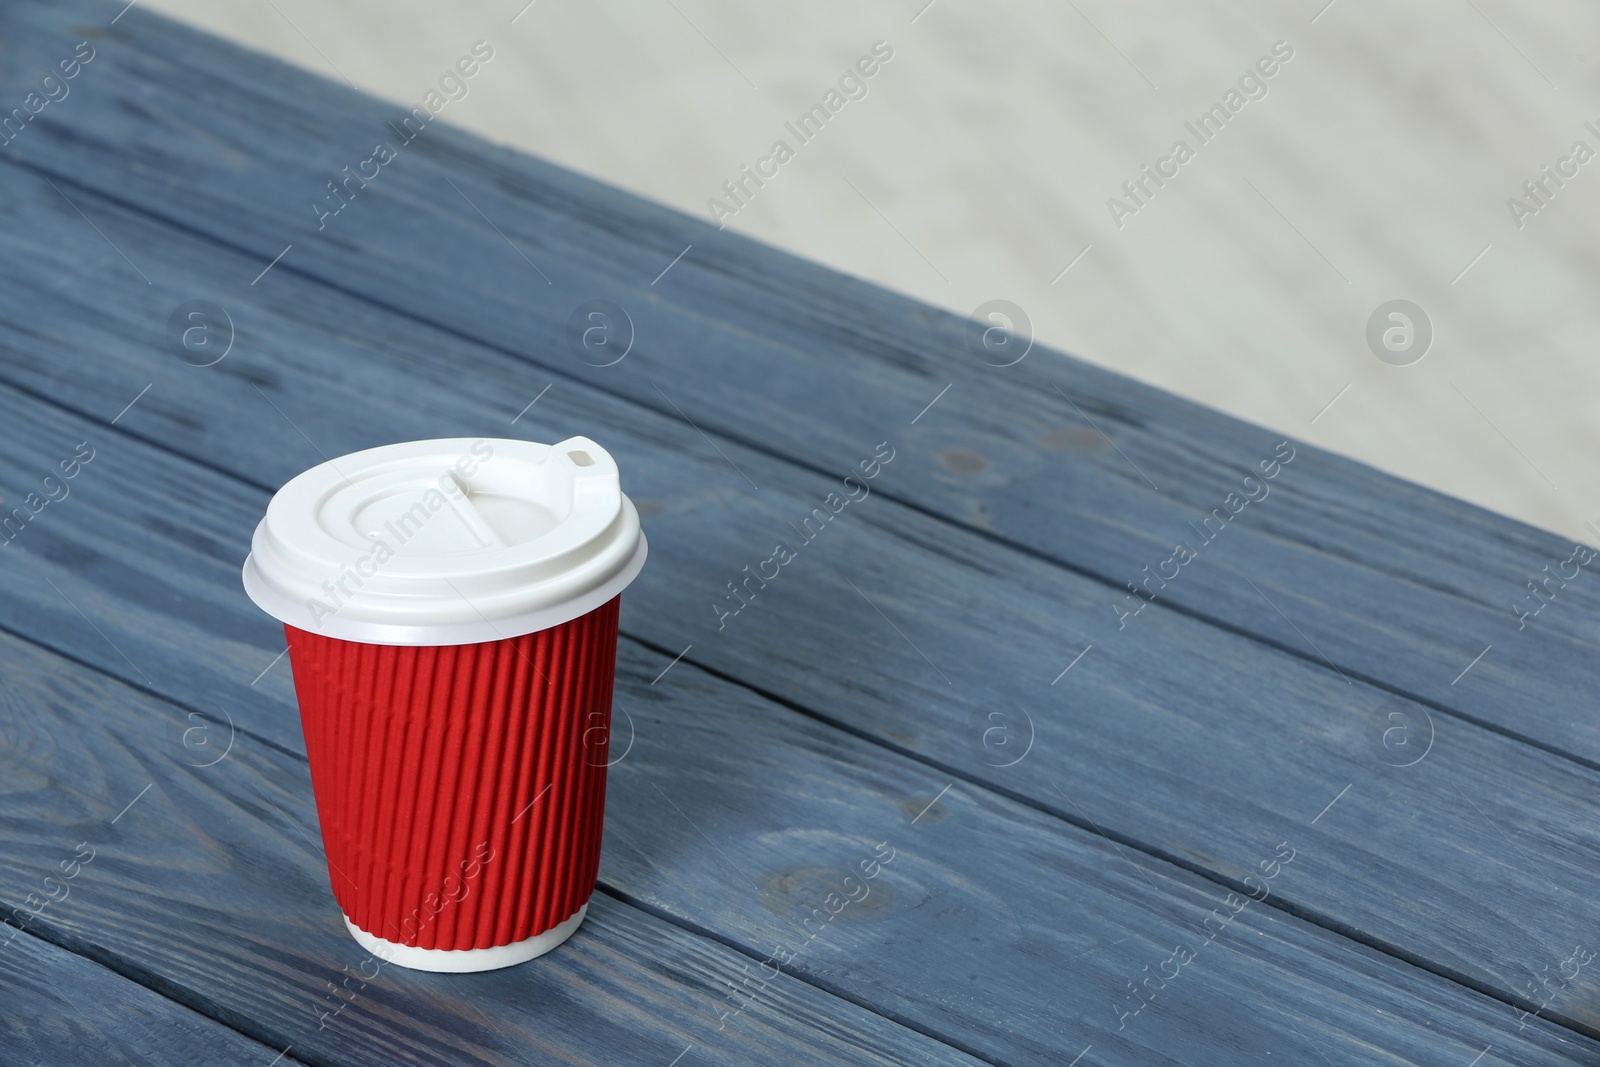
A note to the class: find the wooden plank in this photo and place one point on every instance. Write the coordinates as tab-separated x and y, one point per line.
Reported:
1160	742
206	880
63	1008
1063	459
766	812
1017	933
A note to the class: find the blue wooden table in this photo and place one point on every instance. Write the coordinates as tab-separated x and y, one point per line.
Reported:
1170	740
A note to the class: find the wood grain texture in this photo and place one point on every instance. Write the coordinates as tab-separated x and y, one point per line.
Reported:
740	817
1011	932
1191	741
63	1008
1390	582
206	880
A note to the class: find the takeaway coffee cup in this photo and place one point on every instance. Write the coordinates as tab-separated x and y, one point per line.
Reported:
451	609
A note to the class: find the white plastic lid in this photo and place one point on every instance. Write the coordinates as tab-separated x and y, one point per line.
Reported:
447	542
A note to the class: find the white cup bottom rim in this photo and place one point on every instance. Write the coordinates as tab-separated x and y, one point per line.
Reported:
466	960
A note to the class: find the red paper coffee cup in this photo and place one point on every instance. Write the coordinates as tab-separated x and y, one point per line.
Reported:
451	609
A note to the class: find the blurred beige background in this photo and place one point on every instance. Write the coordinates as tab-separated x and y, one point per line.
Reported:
1377	165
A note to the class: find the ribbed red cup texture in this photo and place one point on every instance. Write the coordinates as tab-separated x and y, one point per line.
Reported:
461	788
